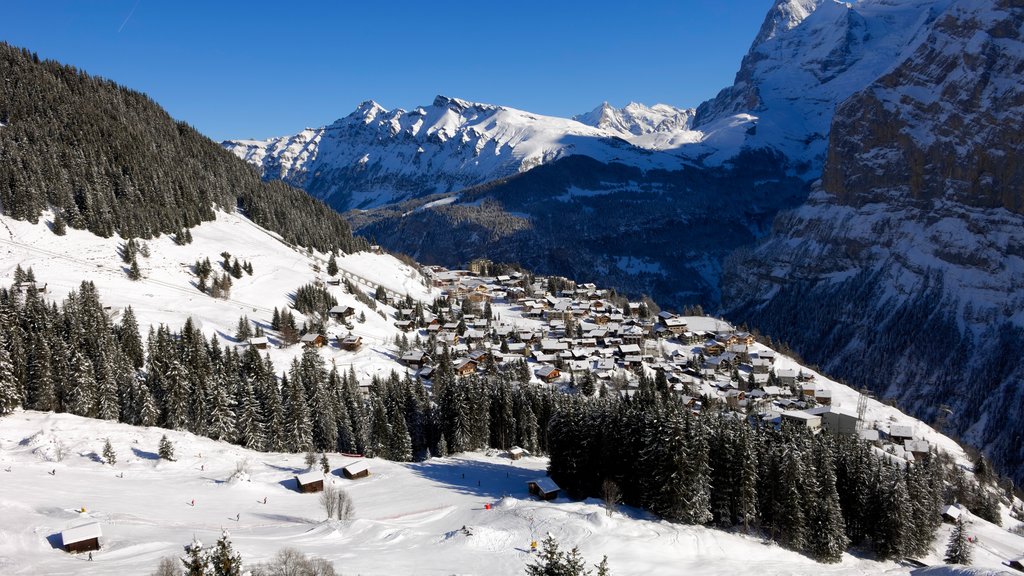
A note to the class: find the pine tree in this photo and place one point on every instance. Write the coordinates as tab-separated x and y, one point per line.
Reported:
221	425
129	339
10	397
298	431
134	273
82	389
59	225
225	560
332	265
325	464
248	428
826	530
166	449
196	561
109	456
959	549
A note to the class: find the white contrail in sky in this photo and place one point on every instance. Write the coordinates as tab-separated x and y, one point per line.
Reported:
121	27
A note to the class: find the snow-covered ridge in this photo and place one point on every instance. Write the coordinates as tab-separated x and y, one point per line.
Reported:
375	156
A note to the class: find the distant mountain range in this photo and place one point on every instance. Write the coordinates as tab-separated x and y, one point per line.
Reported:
855	192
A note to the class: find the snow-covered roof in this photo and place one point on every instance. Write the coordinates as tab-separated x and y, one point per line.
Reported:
311	337
81	533
546	485
952	511
309	477
901	430
357	467
258	340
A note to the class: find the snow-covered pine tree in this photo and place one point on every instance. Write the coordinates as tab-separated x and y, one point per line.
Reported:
82	391
892	530
42	394
149	415
109	456
297	429
959	549
221	424
165	449
248	428
196	560
826	532
107	406
178	395
332	265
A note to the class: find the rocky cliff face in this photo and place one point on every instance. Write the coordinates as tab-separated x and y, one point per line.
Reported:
904	271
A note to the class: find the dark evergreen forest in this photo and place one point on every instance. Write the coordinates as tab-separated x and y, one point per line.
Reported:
110	160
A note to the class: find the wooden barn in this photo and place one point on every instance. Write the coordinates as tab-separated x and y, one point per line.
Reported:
549	374
544	488
356	470
310	482
82	538
516	453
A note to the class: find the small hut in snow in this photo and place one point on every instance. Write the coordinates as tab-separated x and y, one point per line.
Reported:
310	482
356	470
544	488
83	538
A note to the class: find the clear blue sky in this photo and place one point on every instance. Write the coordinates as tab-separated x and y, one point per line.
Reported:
258	69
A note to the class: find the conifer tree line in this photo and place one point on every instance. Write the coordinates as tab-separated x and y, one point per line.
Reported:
110	160
816	494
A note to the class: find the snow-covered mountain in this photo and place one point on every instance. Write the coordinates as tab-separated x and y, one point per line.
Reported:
374	157
810	56
913	239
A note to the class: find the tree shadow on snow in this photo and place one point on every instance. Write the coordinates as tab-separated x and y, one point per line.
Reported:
288	469
284	518
492	480
146	455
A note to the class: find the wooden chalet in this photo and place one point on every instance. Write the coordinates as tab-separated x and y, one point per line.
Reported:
313	340
350	343
544	488
356	470
310	482
516	453
548	374
341	312
415	358
465	366
404	325
259	342
85	538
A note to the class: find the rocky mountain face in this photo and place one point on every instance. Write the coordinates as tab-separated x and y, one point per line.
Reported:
374	157
904	271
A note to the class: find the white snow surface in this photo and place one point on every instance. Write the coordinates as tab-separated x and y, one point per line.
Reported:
409	518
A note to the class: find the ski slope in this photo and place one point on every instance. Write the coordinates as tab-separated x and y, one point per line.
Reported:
409	518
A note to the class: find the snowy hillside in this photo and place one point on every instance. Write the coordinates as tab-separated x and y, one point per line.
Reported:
167	293
423	518
375	156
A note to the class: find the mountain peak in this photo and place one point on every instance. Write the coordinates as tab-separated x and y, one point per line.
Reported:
636	119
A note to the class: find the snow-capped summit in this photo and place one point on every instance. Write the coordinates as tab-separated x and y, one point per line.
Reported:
636	119
809	56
